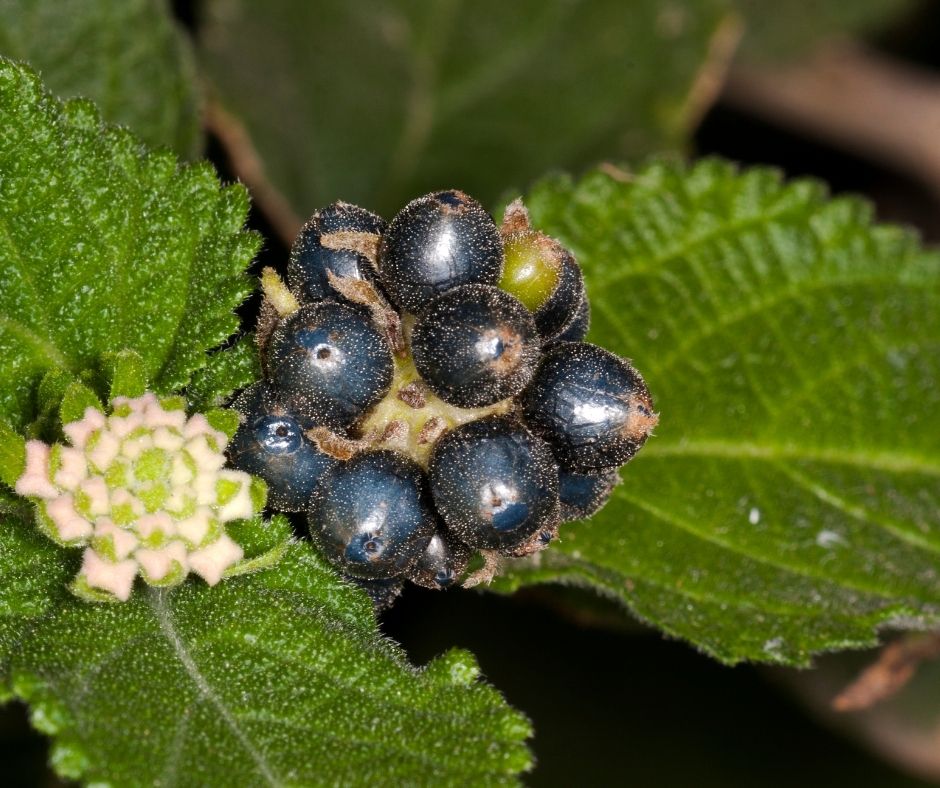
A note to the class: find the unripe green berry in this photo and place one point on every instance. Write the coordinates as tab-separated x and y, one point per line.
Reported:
531	268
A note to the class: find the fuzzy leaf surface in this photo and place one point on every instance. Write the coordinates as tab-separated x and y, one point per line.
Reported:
378	102
274	678
106	246
232	368
127	56
789	502
33	578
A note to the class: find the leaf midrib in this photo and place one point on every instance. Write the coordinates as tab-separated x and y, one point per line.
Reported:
157	600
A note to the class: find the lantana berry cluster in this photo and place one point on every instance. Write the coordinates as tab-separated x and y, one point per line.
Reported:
144	490
428	395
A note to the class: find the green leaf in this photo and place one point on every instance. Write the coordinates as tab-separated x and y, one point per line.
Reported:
274	678
785	30
105	246
789	502
76	399
125	55
12	454
33	577
233	368
126	372
378	102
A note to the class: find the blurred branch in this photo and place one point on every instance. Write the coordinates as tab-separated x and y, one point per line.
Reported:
710	79
893	668
247	166
853	97
905	729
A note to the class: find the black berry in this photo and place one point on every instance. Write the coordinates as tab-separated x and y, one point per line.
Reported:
582	495
475	345
333	239
270	443
330	363
437	242
591	406
372	515
383	593
432	396
441	563
494	483
561	308
577	329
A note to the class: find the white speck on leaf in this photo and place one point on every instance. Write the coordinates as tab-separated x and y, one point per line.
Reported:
773	646
828	539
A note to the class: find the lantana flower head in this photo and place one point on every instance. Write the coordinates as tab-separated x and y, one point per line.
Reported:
145	491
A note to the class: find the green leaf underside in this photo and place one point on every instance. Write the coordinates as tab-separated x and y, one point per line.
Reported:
378	102
105	246
275	678
789	502
125	55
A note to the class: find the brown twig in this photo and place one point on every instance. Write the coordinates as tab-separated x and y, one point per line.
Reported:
848	95
247	165
894	667
712	76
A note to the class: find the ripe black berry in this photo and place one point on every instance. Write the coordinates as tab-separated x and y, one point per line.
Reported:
582	495
333	239
372	515
441	563
577	329
383	593
270	443
591	406
494	483
475	345
561	308
437	242
330	363
431	397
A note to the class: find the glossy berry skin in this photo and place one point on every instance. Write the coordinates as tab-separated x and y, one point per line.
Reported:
475	345
561	308
494	483
270	443
442	562
438	242
330	363
310	259
582	495
383	593
577	329
591	406
372	515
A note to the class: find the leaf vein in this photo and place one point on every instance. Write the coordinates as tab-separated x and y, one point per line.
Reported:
157	600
